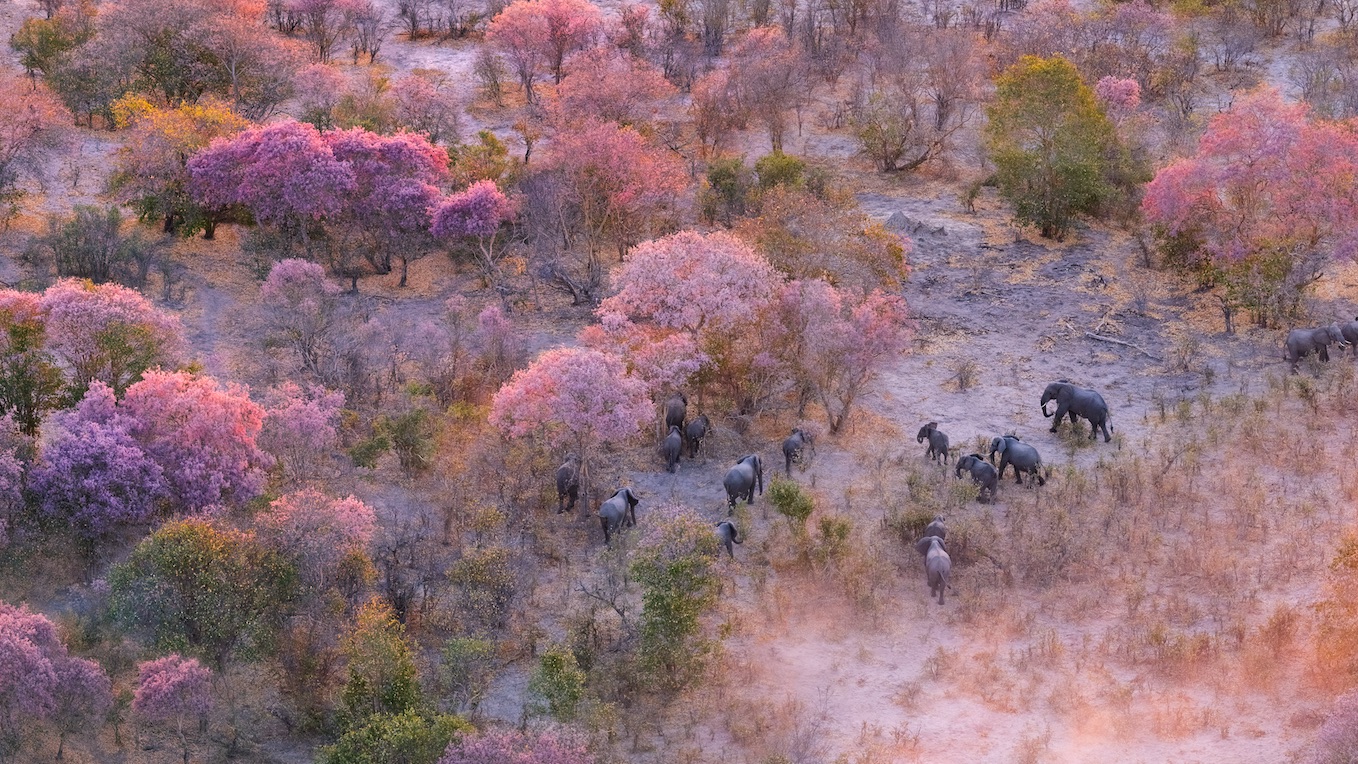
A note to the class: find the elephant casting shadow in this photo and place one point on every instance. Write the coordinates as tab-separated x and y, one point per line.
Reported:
740	480
1303	342
1077	402
619	511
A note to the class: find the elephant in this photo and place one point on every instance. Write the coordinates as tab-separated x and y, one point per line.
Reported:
1350	332
1078	402
694	432
1303	342
676	408
793	446
937	564
938	442
741	479
726	532
619	511
936	528
1023	456
982	474
672	445
567	483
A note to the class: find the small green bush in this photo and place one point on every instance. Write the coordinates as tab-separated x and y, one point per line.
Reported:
791	501
557	684
410	737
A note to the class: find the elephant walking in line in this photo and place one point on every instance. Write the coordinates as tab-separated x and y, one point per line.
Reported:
676	408
794	446
694	432
938	442
726	532
1023	456
619	511
936	528
1077	402
981	473
1303	342
740	480
937	564
567	483
671	447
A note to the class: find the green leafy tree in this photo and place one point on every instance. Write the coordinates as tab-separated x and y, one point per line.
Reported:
195	587
383	678
675	565
409	737
557	684
1057	154
30	382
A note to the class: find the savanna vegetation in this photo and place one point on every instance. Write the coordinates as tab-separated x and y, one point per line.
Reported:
330	328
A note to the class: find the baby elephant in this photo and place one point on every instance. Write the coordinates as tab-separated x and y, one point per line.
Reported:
1303	342
671	448
619	511
936	528
938	442
982	474
793	447
937	564
726	532
1023	456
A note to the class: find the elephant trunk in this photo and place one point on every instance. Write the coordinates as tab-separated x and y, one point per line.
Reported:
1044	410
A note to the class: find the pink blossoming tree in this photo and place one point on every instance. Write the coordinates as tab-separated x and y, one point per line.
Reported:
476	213
301	427
514	747
317	532
301	303
171	690
538	34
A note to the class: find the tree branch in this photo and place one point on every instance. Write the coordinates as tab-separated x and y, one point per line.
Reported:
1115	341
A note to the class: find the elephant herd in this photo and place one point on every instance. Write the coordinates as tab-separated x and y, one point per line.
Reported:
746	476
1071	401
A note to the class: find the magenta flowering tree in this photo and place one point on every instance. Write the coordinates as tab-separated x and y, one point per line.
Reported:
538	34
317	532
93	474
845	355
476	213
301	427
82	698
396	180
171	690
40	681
285	174
202	435
610	85
515	747
575	399
1267	199
107	332
301	304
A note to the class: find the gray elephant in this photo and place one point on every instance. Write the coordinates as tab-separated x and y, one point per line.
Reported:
619	511
1303	342
938	442
1023	456
694	432
676	408
671	447
1077	402
567	483
793	447
727	534
740	480
981	473
937	564
936	528
1350	331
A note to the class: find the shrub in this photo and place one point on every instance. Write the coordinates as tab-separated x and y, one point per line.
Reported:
409	737
557	684
791	502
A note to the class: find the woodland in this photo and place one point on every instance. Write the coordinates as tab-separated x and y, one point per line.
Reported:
538	381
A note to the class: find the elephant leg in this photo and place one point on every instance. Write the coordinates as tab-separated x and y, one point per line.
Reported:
1093	429
1061	411
1325	353
1037	473
604	522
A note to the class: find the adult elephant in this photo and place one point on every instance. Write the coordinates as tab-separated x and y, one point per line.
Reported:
740	480
1024	457
937	564
938	442
676	408
728	535
1350	331
794	446
982	474
694	432
936	528
619	511
1077	402
1303	342
567	483
671	447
